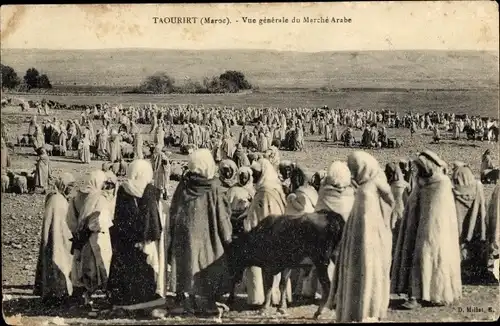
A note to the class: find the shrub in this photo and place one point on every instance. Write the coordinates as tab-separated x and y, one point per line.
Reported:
234	81
228	82
159	83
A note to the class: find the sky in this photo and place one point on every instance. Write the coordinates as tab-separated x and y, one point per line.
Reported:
461	25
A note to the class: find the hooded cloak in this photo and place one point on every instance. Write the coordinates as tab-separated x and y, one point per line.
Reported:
201	229
426	263
361	281
52	278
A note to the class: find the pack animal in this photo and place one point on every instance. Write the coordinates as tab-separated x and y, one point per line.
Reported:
23	141
280	243
393	143
19	183
127	150
49	148
59	151
5	183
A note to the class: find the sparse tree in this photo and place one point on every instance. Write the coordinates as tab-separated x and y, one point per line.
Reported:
193	87
44	82
9	77
31	78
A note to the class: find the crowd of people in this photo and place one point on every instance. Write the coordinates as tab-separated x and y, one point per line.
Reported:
419	227
210	127
122	237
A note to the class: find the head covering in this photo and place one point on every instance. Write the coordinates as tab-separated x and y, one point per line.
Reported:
248	171
93	182
464	182
273	155
63	181
139	175
455	165
269	177
231	165
338	175
364	169
336	193
430	165
303	200
284	166
111	177
239	198
94	199
469	193
202	163
300	177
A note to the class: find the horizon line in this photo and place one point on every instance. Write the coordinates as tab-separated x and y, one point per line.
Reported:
252	49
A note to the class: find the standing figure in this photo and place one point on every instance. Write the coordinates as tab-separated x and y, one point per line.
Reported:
161	168
89	219
471	213
160	136
42	170
138	143
32	125
228	147
493	236
84	148
115	151
400	191
103	143
38	138
365	248
52	278
426	262
63	140
137	274
5	155
201	233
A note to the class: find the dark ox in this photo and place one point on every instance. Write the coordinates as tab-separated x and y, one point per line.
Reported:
280	243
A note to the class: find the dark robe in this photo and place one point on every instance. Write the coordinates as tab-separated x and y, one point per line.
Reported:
137	220
200	230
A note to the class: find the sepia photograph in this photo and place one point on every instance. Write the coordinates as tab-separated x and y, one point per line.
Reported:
244	163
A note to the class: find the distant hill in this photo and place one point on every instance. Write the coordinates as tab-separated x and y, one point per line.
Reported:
266	69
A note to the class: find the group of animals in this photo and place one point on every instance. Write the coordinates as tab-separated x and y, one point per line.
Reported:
52	104
18	181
